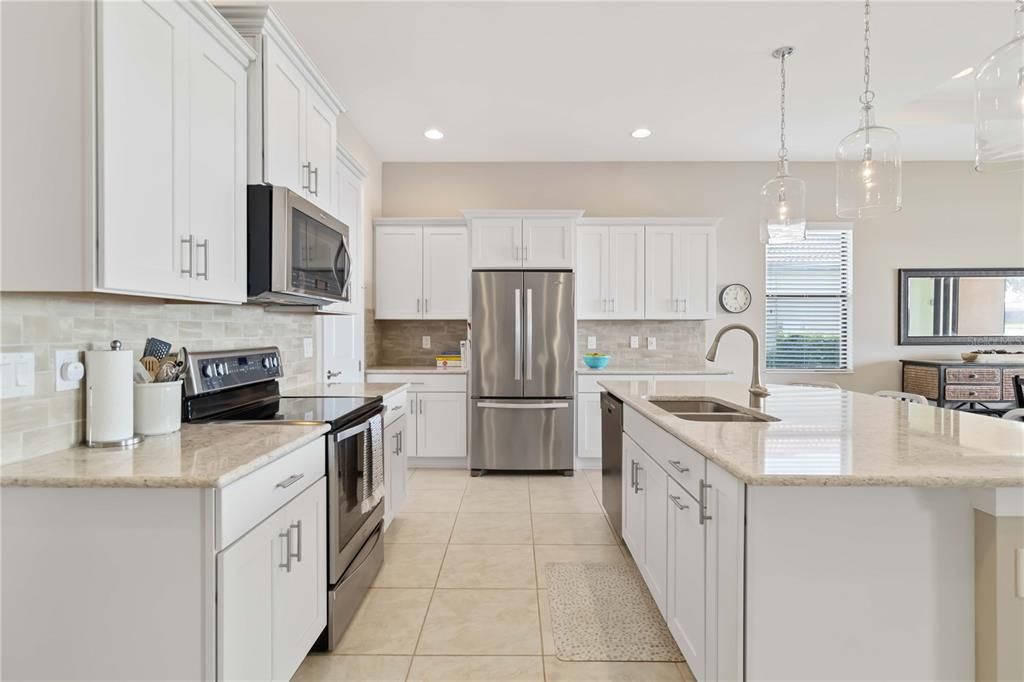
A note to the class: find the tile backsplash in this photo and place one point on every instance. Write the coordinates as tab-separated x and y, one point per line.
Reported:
399	342
680	343
43	323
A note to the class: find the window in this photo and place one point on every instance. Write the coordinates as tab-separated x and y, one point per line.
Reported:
809	304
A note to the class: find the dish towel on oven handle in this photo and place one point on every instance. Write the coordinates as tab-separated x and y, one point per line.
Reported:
373	465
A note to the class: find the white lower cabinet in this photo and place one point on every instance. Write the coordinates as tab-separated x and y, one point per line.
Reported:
440	425
654	482
588	425
272	591
396	465
686	584
633	507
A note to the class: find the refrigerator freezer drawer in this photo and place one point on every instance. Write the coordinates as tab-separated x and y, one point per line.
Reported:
522	434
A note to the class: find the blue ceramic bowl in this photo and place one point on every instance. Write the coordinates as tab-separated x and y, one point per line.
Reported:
596	361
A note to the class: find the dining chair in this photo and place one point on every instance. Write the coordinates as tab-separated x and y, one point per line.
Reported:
816	384
1016	415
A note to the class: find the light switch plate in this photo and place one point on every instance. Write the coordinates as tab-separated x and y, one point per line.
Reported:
652	343
17	374
61	358
591	343
634	342
426	342
307	346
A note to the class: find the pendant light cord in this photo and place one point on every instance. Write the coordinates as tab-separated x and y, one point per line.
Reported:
869	94
783	152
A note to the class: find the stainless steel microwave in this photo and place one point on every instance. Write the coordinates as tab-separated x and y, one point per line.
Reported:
298	254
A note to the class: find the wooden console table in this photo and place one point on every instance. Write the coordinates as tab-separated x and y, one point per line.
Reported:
963	385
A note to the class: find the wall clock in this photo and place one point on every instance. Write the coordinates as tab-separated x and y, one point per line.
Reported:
735	298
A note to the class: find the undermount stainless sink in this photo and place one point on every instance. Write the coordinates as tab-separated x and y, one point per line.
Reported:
708	411
688	406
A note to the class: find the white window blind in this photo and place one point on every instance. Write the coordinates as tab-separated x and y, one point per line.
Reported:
808	309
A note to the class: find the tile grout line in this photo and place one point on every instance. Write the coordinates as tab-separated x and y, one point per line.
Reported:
536	577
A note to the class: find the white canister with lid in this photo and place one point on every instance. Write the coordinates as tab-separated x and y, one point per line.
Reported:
158	408
109	398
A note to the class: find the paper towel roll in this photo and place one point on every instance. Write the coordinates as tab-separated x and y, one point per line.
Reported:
109	396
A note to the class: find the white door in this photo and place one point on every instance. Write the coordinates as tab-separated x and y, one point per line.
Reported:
217	180
321	149
588	424
398	272
547	243
441	424
341	348
625	272
664	295
633	508
244	605
591	272
497	243
284	125
699	260
655	567
143	148
410	441
300	578
685	612
445	273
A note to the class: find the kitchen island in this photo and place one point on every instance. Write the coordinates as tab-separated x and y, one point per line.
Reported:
825	534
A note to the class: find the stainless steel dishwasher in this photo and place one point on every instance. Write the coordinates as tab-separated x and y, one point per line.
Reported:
611	459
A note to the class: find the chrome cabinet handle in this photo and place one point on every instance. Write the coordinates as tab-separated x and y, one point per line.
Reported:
314	174
205	246
517	357
286	536
426	306
638	470
308	167
417	305
395	451
702	501
613	305
679	505
529	334
632	476
676	465
420	403
190	241
526	253
516	251
298	541
401	442
290	481
684	305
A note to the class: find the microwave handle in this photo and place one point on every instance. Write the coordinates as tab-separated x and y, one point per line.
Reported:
342	248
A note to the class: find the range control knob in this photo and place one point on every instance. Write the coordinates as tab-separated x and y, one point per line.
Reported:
207	371
274	361
266	363
222	369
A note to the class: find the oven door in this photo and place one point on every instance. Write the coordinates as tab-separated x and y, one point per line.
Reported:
346	473
311	250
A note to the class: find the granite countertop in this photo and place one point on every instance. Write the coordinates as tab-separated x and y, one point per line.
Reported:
346	390
414	369
688	369
839	438
198	456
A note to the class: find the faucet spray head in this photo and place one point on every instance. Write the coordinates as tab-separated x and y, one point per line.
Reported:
713	351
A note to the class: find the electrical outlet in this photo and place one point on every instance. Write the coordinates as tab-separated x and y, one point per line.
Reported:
426	342
634	342
307	346
68	369
591	343
652	343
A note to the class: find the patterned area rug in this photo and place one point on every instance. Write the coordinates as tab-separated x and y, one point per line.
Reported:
603	612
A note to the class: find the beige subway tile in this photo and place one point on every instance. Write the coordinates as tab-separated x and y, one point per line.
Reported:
22	414
46	329
10	447
49	438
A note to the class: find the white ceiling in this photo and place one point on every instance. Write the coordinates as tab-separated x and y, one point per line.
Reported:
547	81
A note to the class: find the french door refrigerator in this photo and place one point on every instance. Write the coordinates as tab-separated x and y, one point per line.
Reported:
523	350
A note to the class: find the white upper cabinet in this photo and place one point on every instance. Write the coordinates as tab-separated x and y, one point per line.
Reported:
610	272
293	113
421	269
681	267
591	272
523	239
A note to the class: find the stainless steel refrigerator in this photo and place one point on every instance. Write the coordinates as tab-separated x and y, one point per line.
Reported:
524	338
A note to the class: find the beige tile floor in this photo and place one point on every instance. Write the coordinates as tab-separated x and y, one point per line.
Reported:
461	596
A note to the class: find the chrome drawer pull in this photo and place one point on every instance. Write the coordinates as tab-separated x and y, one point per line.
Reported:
704	502
287	537
679	505
298	541
291	480
638	470
678	467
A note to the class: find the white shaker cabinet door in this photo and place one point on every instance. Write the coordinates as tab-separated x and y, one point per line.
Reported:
547	243
143	72
441	424
633	507
699	259
321	146
398	272
284	129
445	273
589	424
591	272
664	278
654	480
410	445
685	611
342	348
497	243
625	272
396	464
217	182
300	578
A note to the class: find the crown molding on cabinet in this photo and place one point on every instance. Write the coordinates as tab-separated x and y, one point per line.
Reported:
257	19
351	163
709	222
220	29
471	213
419	222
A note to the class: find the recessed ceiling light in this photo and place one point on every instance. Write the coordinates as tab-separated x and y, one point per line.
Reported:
641	133
966	72
433	134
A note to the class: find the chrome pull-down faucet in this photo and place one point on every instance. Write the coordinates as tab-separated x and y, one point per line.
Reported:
758	391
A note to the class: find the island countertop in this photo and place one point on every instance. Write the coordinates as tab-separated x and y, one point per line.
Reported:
827	437
198	456
347	390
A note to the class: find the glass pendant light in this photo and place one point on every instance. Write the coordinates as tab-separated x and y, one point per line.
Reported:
999	105
868	165
783	198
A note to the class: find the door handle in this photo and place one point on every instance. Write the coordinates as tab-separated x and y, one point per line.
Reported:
205	246
288	482
679	505
314	174
417	305
401	443
308	167
426	306
638	470
703	502
632	475
190	241
676	465
298	541
526	253
523	406
518	355
395	451
286	536
529	334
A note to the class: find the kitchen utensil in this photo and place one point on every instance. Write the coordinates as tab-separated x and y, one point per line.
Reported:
109	398
141	374
156	348
169	371
158	408
151	364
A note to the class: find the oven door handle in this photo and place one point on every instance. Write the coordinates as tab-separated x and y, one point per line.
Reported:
348	433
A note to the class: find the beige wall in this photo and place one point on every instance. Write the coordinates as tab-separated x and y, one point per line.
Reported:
952	217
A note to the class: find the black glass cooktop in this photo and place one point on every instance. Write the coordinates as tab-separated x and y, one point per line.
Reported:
335	411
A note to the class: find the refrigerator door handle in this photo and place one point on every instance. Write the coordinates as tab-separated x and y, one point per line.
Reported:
529	334
519	335
524	406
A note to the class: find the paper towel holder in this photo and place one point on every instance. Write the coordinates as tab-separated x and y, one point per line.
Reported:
129	442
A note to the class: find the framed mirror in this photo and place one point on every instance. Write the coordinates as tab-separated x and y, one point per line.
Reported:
961	306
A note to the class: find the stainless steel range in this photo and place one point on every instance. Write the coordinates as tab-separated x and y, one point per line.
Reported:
242	386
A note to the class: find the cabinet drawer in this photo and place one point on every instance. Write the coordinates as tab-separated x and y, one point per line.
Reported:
395	407
587	383
243	504
1008	377
683	464
435	383
964	375
973	393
